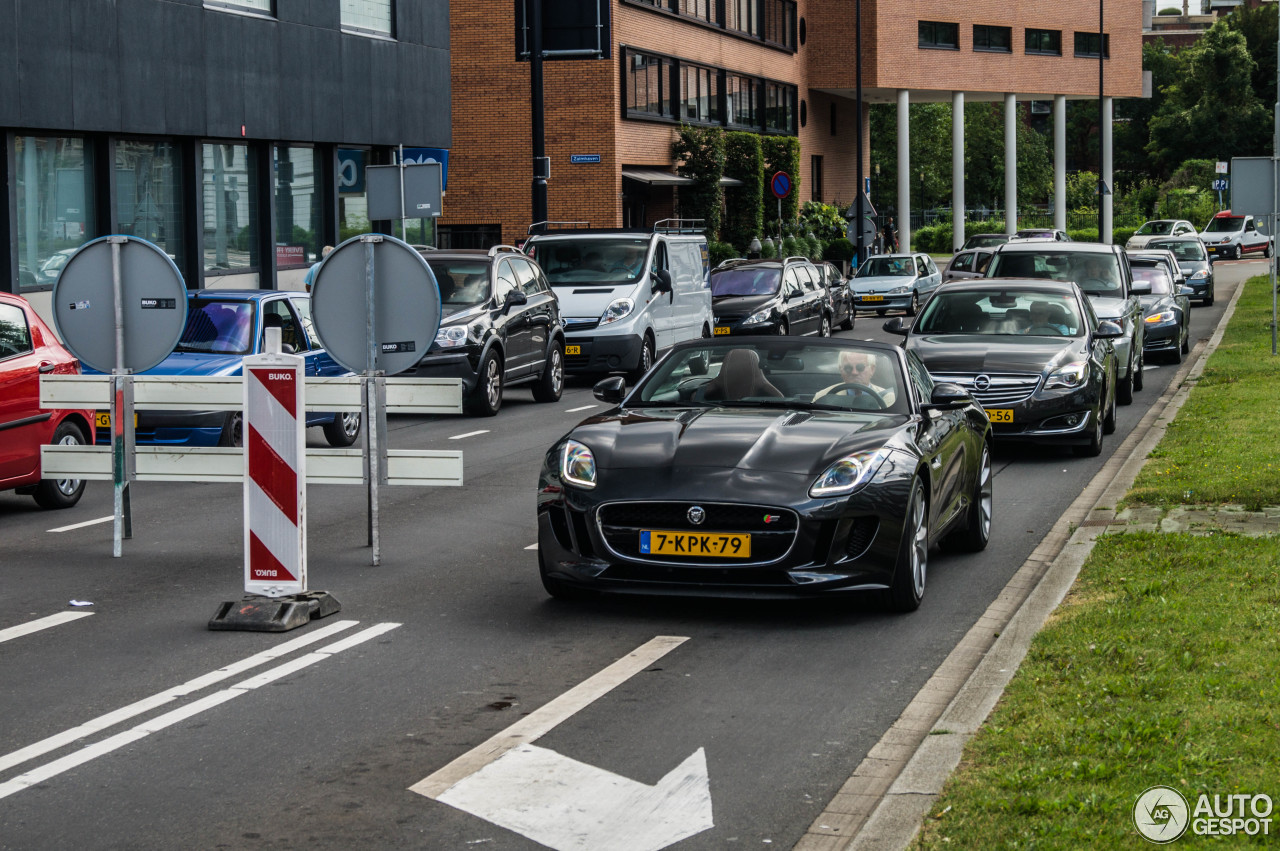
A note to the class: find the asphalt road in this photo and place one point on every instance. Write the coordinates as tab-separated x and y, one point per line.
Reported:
783	700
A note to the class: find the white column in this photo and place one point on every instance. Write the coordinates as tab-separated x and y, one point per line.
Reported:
1010	164
1107	176
957	170
1060	162
904	170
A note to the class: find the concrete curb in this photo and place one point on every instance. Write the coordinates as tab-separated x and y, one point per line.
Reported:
882	805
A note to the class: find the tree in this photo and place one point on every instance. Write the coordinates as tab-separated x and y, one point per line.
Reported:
700	152
1211	111
1259	28
1132	129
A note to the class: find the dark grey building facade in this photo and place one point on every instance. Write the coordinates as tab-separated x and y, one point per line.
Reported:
232	133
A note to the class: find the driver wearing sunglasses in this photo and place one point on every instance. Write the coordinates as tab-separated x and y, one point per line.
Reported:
857	368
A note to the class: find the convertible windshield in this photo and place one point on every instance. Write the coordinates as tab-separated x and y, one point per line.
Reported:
884	267
581	260
1183	249
730	282
1152	228
1161	284
463	283
1007	312
781	373
1097	273
1224	224
218	327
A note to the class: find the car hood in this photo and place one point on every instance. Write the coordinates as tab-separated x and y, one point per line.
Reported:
774	440
943	353
735	305
1105	307
1155	303
584	301
190	363
1191	267
1219	236
880	284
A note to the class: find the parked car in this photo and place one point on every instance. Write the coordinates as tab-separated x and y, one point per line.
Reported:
1195	262
770	297
767	467
1052	234
967	264
843	314
1166	311
626	295
1033	353
894	281
222	327
985	240
500	326
1102	273
29	349
1231	236
1158	229
52	266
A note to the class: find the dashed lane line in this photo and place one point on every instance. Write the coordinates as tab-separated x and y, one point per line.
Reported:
43	623
106	519
582	408
470	434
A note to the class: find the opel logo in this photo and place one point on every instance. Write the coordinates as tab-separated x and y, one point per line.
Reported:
696	515
982	382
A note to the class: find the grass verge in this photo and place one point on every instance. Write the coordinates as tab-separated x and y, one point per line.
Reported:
1221	447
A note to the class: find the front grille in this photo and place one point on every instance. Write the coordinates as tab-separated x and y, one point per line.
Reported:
579	361
1005	388
580	323
620	524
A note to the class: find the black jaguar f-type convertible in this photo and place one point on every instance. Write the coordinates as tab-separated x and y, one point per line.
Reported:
767	467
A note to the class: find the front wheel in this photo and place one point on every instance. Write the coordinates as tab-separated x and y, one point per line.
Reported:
1138	376
1266	250
549	387
232	430
1124	392
915	304
486	399
1109	417
343	429
782	328
907	589
824	330
62	493
1093	448
646	360
847	324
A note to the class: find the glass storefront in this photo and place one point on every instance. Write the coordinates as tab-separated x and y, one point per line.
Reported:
149	193
54	188
353	202
229	182
299	205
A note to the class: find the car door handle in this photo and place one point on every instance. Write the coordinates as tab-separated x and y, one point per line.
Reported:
45	368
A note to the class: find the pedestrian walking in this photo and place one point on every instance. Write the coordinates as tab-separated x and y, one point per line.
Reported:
890	235
311	273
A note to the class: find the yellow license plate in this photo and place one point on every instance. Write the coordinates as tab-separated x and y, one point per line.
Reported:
721	330
102	419
573	350
872	298
1000	415
715	544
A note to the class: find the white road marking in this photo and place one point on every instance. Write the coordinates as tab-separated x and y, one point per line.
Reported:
470	434
43	623
540	721
102	722
106	746
583	408
106	519
532	547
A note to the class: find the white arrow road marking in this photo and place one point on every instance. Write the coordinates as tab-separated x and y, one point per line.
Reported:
544	796
571	806
43	623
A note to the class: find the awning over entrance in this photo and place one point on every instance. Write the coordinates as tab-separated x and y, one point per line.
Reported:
658	177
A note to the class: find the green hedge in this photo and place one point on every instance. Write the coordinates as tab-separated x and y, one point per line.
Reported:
936	239
720	252
743	205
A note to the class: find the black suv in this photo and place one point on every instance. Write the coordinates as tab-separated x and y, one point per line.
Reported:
771	297
500	325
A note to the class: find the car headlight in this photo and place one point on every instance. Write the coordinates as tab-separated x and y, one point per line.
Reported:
1068	376
577	465
1224	240
759	316
849	473
618	309
1161	318
903	290
451	336
1199	275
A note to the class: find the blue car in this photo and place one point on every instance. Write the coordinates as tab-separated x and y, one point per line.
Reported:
222	327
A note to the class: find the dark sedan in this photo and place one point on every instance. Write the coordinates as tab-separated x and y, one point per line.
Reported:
1195	262
1033	353
1166	311
767	467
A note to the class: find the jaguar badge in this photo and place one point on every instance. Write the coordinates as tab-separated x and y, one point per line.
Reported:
696	515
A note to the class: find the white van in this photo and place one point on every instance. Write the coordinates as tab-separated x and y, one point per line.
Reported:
626	295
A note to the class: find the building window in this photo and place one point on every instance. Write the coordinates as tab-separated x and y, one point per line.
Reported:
699	94
1046	42
299	212
470	236
648	85
742	16
779	108
815	178
780	22
149	200
54	177
1087	45
833	119
353	200
228	183
368	16
265	7
992	39
937	34
702	9
742	101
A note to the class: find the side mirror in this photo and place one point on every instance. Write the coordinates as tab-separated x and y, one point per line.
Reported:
662	281
896	326
1140	288
1211	259
1186	291
1109	329
948	397
610	390
514	298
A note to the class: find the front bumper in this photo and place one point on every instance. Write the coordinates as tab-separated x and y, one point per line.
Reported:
880	301
461	364
620	352
1058	417
734	327
1201	288
173	428
1162	338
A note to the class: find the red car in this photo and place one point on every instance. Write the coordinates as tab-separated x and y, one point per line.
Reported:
28	349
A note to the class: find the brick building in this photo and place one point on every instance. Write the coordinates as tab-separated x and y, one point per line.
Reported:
773	66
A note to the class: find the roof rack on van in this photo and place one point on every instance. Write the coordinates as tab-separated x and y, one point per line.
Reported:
423	247
494	249
543	227
679	226
795	257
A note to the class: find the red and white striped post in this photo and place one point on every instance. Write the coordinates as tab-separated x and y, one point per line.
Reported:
275	497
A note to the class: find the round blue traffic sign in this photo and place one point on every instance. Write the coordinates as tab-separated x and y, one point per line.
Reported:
780	184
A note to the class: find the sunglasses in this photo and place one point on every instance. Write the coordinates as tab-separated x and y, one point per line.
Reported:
853	367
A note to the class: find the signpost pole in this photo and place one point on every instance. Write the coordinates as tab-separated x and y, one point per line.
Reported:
121	413
402	216
369	401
